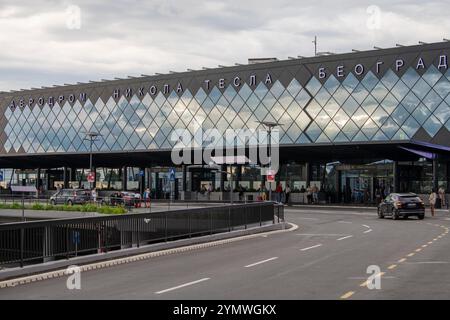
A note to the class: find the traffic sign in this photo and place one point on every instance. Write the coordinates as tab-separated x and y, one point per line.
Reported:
91	176
76	237
172	174
1	175
270	176
141	173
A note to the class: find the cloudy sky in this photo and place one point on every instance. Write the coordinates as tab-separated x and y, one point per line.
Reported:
46	42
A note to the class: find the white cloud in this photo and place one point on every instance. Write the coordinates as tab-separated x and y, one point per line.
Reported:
129	37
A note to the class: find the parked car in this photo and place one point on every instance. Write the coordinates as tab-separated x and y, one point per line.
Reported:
70	197
125	198
403	205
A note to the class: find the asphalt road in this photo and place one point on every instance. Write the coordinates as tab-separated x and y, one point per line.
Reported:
325	258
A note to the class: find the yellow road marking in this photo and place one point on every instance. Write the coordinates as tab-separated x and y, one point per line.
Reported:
348	295
364	284
411	254
402	260
392	266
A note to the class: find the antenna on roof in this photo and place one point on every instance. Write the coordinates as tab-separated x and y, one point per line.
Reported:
300	57
446	39
145	75
315	45
238	64
399	45
354	50
421	42
378	48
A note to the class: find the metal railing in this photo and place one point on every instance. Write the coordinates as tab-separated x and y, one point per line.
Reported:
40	241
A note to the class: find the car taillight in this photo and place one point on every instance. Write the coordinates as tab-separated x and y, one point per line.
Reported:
398	204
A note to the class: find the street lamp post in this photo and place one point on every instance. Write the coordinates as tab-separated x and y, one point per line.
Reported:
91	136
270	126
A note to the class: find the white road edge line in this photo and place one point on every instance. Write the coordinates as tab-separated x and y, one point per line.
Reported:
344	222
365	225
346	237
259	262
182	286
117	261
367	231
308	248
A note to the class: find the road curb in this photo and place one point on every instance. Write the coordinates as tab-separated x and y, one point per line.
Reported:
9	277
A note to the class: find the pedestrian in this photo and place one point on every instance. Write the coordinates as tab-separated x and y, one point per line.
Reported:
287	192
315	194
94	195
432	199
279	190
147	197
441	193
210	189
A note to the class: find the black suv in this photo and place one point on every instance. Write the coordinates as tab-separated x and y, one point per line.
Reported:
403	205
70	197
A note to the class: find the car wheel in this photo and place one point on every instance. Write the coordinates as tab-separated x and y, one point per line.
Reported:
69	202
394	215
52	202
380	214
421	216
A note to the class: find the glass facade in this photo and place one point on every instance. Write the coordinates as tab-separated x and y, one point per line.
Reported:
392	108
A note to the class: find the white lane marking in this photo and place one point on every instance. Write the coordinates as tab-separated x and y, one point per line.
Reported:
308	248
346	237
367	231
321	234
259	262
365	225
344	222
182	286
315	219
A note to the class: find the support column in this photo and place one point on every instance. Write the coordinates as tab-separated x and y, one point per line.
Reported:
66	177
435	181
94	184
308	174
395	176
48	178
223	177
157	186
141	180
183	183
38	178
124	178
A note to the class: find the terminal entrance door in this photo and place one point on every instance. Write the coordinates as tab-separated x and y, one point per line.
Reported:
365	184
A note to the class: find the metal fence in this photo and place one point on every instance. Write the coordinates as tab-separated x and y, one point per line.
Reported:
40	241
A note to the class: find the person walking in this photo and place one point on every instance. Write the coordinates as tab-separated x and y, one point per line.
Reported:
94	195
309	194
432	199
315	194
279	190
287	192
147	197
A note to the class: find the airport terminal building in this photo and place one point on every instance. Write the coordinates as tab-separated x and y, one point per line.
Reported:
349	123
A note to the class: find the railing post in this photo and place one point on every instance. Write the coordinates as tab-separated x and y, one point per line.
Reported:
105	234
67	242
190	227
138	240
229	219
22	235
245	218
210	222
260	216
165	226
